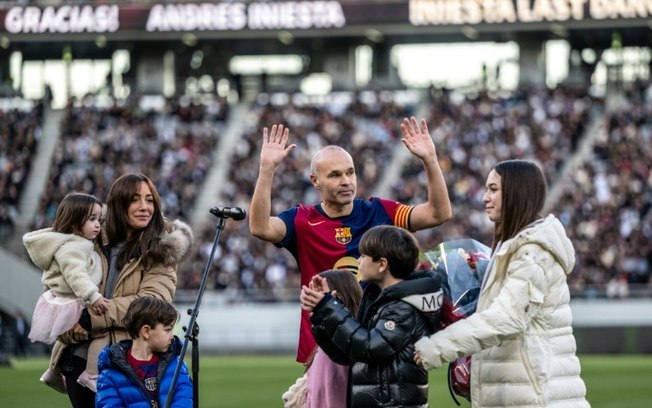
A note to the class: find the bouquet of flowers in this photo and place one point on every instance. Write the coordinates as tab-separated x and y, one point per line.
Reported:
464	263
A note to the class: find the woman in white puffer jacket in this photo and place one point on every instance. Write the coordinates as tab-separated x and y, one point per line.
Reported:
521	339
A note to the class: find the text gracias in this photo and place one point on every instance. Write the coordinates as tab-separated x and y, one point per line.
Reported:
180	17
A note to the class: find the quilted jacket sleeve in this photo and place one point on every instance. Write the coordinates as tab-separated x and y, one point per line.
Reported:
389	334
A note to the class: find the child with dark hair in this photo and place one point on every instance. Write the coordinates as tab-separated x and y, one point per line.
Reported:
139	372
68	254
324	383
399	305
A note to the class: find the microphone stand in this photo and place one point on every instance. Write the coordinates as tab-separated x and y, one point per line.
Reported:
192	330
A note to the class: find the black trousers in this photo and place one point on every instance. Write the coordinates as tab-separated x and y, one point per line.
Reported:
71	367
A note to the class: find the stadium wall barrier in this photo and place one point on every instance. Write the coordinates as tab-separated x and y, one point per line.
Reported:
600	325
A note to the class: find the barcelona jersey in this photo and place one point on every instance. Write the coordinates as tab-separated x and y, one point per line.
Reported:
319	243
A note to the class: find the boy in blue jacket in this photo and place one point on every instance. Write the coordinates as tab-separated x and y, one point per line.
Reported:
398	305
138	373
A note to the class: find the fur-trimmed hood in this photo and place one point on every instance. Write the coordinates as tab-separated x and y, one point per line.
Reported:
176	241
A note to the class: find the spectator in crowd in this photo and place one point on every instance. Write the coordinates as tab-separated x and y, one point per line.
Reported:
146	362
21	332
520	336
326	235
7	224
20	132
399	305
2	334
140	253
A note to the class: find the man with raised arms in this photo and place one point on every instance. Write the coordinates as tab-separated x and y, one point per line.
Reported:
326	235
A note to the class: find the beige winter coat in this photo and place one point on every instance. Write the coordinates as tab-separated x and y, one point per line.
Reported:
520	336
135	280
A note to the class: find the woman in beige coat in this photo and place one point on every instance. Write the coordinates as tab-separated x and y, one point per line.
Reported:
141	251
520	336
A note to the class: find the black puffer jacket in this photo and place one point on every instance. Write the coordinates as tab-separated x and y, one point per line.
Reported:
379	344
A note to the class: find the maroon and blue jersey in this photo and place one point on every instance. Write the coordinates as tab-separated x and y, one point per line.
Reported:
319	243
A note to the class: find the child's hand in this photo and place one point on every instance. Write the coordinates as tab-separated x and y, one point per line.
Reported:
417	358
78	333
319	284
310	298
100	306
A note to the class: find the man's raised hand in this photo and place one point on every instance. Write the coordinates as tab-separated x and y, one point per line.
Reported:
274	149
417	139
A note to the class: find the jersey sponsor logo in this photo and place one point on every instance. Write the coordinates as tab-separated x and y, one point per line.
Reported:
347	263
343	235
313	224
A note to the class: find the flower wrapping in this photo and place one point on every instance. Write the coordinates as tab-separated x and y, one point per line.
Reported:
464	263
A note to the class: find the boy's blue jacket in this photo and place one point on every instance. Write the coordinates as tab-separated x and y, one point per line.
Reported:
119	386
379	344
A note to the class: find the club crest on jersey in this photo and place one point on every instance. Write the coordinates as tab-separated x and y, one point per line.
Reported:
343	235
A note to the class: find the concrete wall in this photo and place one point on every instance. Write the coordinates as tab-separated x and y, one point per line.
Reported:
20	284
601	326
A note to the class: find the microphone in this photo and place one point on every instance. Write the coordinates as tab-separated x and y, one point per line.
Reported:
235	213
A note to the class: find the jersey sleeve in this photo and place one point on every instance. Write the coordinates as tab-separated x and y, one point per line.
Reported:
398	212
290	237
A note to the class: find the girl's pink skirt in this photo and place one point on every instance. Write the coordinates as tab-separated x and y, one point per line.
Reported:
54	315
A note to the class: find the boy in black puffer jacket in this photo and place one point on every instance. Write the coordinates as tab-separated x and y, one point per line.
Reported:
399	305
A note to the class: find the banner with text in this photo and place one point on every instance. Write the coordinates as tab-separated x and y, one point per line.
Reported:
307	15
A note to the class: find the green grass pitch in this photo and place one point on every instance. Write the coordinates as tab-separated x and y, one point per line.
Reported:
623	381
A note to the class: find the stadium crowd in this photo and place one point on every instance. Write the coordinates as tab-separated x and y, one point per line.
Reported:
473	133
366	125
20	132
605	203
97	144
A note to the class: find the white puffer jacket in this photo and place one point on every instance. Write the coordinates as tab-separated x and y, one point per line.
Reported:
520	335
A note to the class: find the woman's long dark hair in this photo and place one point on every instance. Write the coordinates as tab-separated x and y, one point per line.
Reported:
523	189
144	241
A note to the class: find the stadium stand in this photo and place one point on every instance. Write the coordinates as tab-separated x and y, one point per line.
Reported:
595	150
20	132
606	203
363	123
471	132
97	143
475	132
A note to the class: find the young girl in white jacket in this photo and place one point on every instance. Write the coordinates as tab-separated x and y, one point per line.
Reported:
521	339
72	271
